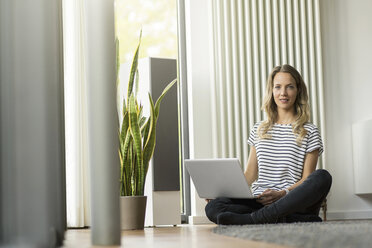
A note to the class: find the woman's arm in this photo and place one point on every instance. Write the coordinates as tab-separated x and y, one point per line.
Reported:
269	196
251	173
311	159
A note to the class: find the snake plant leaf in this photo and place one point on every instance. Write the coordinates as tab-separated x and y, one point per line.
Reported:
125	146
121	164
141	123
126	151
149	147
122	184
140	113
136	134
152	121
136	84
133	69
134	124
120	140
136	105
125	136
145	131
124	127
131	171
124	107
166	89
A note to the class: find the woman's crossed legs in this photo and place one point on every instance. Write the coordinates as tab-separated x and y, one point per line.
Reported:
302	204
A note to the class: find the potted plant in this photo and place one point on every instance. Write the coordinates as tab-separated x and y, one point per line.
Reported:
137	136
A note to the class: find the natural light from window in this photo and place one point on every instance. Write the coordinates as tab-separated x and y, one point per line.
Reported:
158	21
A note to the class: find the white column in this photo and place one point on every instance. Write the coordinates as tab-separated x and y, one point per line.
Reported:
199	98
103	123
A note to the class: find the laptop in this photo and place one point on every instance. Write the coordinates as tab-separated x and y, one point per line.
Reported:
218	178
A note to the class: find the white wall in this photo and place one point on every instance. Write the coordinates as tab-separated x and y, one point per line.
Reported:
347	54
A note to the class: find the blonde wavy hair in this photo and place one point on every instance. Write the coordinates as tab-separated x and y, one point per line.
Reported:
301	105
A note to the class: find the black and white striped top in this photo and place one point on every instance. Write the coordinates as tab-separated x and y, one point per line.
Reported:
280	159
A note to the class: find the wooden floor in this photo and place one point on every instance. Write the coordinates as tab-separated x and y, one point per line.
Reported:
183	236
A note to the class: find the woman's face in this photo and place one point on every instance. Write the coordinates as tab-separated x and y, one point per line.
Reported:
284	91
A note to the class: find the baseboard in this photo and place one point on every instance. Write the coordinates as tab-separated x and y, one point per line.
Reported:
331	215
199	220
349	215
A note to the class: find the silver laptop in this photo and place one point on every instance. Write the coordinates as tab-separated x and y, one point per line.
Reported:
218	178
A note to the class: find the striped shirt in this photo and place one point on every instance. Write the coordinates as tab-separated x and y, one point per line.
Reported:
280	159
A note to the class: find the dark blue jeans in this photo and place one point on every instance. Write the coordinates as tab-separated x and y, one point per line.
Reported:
298	205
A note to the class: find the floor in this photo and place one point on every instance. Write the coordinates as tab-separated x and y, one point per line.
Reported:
183	236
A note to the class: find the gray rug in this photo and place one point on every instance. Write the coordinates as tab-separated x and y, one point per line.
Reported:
331	234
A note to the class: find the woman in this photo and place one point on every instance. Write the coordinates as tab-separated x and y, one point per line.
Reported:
282	161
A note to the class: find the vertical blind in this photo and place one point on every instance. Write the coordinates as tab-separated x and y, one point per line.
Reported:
249	38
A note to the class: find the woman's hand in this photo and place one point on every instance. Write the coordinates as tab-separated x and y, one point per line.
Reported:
269	196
